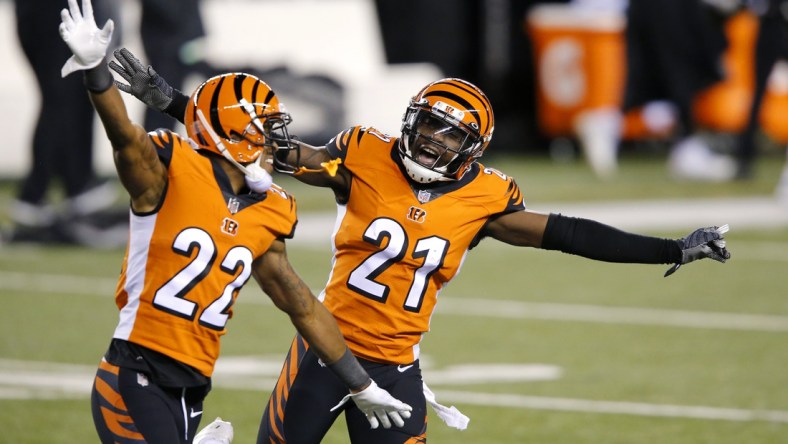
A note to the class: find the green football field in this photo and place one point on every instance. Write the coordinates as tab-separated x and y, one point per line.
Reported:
534	346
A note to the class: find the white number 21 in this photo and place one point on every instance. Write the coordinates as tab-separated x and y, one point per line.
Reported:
432	249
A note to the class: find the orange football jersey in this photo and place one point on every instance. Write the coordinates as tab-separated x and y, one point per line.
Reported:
395	246
186	261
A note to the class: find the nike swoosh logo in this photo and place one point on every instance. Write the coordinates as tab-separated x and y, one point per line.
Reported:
403	368
194	414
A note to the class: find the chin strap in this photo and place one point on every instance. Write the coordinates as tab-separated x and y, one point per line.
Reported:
257	178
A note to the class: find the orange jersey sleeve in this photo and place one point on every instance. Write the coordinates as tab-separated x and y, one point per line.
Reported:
396	246
186	261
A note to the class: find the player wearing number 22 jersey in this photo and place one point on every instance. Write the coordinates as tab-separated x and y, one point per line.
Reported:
187	260
184	265
205	217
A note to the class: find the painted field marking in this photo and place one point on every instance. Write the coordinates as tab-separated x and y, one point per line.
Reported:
612	407
471	307
40	380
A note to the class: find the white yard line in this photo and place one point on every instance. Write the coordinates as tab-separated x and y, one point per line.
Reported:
611	407
455	306
611	315
41	380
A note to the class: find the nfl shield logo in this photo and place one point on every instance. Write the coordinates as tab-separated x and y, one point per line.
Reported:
233	205
424	196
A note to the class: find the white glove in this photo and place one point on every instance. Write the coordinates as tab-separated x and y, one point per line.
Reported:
217	432
88	43
378	405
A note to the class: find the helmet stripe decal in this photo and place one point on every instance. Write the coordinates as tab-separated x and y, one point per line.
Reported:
201	140
215	122
478	95
457	99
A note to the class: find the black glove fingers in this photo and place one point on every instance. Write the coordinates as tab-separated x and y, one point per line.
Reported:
129	58
119	69
120	56
722	252
123	87
701	236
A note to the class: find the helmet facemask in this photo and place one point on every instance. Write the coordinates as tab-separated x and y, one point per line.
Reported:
239	117
436	144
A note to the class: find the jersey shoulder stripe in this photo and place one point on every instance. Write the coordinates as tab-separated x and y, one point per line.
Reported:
165	142
352	138
500	187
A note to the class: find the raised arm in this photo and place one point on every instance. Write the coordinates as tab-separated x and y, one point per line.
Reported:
316	324
138	166
310	164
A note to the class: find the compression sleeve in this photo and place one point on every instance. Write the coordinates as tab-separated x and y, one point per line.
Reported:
598	241
350	371
177	108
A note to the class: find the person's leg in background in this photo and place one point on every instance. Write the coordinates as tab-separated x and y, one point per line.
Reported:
771	45
62	141
169	29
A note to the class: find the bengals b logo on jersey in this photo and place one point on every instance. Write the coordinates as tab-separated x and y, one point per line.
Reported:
417	214
229	226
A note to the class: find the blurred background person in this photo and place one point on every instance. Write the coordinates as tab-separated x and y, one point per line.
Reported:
685	76
171	32
771	47
62	141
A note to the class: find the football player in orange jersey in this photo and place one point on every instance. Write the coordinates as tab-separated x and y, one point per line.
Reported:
204	218
409	210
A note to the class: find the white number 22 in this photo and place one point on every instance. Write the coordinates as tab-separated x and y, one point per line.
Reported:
171	297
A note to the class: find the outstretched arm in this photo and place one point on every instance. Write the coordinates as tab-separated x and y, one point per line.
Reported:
602	242
316	324
139	168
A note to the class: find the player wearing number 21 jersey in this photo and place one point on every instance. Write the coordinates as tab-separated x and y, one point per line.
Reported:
396	246
409	209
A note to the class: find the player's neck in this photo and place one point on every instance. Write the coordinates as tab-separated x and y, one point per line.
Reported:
235	175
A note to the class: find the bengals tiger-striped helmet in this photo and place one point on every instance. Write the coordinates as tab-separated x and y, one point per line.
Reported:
446	127
236	115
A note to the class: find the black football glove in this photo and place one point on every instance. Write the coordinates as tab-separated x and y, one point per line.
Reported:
144	83
700	244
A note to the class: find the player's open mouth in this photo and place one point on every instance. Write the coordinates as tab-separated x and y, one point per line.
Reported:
428	156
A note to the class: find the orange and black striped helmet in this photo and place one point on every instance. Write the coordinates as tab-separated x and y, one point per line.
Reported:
454	119
236	115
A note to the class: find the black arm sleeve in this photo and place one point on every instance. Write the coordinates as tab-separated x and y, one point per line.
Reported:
602	242
177	108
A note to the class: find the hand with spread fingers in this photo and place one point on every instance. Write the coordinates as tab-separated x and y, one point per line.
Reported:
87	42
144	82
378	406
